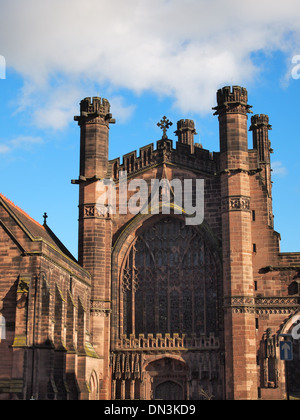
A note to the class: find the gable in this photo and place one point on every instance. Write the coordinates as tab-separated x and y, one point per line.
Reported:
11	232
10	245
24	230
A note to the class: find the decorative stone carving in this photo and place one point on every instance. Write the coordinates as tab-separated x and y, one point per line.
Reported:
95	210
261	305
236	203
99	308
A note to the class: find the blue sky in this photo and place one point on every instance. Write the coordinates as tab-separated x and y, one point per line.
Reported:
149	59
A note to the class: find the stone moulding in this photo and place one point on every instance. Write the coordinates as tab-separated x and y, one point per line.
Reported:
262	305
98	308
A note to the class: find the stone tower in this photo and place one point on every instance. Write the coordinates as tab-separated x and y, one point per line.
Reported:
94	223
238	284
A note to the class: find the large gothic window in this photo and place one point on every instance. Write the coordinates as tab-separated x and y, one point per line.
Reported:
169	282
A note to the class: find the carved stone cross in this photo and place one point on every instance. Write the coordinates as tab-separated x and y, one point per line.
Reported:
45	216
164	124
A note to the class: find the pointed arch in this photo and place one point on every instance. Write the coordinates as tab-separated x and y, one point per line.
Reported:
292	372
94	386
290	323
132	239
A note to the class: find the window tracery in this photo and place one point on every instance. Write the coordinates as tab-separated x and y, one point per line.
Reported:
169	282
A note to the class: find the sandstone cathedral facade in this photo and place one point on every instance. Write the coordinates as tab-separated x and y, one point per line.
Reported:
155	307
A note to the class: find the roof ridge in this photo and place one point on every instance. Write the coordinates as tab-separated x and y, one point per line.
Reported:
20	210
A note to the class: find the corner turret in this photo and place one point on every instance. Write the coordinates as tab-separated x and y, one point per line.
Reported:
94	120
260	128
185	132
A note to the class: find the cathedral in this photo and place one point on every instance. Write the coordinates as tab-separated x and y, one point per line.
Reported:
180	291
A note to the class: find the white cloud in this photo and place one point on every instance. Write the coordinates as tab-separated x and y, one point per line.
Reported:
120	109
182	49
20	142
4	149
279	169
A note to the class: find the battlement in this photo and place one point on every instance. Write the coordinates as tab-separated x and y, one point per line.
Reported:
185	132
94	107
232	100
185	125
236	94
167	342
197	160
260	120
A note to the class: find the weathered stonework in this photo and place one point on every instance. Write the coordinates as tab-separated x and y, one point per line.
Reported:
154	308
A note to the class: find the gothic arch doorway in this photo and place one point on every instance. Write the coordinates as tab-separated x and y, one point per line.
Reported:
167	379
169	390
292	376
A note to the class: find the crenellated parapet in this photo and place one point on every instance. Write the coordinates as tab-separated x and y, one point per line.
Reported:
169	342
94	110
199	161
260	120
185	125
232	100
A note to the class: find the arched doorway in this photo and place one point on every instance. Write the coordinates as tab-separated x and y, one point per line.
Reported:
293	367
294	372
168	390
167	379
